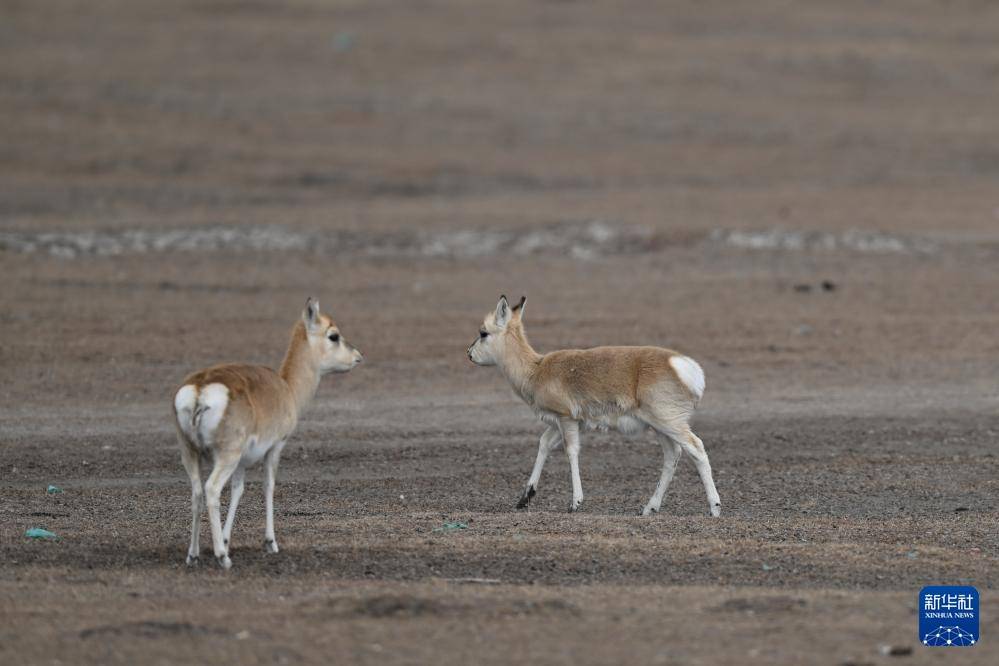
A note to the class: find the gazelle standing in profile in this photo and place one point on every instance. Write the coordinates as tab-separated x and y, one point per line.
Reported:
237	415
627	388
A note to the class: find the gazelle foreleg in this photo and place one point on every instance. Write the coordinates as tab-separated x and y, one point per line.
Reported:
570	434
271	464
550	439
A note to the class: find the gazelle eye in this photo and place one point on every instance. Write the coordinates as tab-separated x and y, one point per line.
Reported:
334	337
483	334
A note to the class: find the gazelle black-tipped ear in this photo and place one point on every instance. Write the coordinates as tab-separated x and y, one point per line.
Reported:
502	316
310	315
519	307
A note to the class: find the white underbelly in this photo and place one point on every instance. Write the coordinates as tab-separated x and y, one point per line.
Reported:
623	423
256	450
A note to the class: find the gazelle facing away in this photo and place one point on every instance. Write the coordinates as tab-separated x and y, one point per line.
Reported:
627	388
236	415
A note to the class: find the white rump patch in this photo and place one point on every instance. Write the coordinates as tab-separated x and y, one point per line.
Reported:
212	401
185	403
690	373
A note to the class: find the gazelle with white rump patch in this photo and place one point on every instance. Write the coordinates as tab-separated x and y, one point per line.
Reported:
626	388
237	415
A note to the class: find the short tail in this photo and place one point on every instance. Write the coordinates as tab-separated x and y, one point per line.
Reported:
196	417
690	373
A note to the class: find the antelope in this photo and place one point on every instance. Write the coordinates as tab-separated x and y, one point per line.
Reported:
239	414
630	389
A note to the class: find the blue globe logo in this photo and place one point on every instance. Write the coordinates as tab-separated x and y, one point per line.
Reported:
949	636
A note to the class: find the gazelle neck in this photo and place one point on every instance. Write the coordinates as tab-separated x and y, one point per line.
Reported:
299	371
520	361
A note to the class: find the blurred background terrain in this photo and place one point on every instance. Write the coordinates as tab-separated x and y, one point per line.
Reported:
802	196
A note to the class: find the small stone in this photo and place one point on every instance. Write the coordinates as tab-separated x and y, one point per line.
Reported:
343	42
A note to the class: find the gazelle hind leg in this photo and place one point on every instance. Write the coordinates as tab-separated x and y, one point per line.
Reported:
189	456
235	493
671	454
550	439
225	465
693	446
681	434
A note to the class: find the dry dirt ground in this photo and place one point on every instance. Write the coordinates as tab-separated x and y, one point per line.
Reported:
176	178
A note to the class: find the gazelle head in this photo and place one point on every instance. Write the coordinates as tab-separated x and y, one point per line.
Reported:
331	352
492	343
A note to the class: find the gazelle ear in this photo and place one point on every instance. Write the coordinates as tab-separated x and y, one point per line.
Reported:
519	307
310	315
502	316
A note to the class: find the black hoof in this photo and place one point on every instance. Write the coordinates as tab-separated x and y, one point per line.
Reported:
525	499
